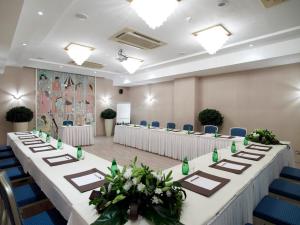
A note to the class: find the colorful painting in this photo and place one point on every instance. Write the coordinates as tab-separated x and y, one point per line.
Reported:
64	96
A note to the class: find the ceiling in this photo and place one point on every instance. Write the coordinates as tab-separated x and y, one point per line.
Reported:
274	33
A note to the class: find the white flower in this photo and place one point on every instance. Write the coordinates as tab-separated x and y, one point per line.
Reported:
158	176
156	200
141	187
135	181
127	185
128	173
118	191
169	193
158	191
109	187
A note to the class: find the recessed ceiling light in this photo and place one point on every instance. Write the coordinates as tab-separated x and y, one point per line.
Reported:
95	72
81	16
40	13
24	44
251	45
188	19
222	3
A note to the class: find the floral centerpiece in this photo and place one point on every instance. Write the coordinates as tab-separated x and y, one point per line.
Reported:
138	190
263	136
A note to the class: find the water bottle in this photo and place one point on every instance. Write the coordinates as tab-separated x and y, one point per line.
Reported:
233	147
59	143
185	167
114	168
79	152
215	157
48	138
246	141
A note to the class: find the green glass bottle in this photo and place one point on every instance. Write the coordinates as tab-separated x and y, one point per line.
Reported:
79	152
114	168
215	157
40	133
148	125
59	143
216	134
246	141
233	147
185	166
34	130
48	138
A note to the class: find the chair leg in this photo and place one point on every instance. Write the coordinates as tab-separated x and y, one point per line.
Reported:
35	208
258	221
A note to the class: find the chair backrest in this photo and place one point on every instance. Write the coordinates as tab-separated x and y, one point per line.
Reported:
171	125
210	129
188	127
238	131
155	124
68	123
9	211
143	123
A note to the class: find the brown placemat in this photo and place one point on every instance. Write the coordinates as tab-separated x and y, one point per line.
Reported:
86	187
201	190
238	155
27	137
33	142
67	160
231	170
22	133
34	149
256	147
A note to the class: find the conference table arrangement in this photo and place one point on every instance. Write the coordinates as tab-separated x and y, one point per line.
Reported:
213	190
173	143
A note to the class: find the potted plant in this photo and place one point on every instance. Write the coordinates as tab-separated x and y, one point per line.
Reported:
19	116
211	117
108	115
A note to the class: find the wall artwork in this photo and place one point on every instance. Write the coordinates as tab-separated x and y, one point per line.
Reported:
64	96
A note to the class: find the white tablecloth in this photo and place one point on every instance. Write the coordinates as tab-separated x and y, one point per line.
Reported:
231	205
176	145
77	135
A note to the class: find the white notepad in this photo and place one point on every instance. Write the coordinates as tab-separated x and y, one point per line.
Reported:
249	155
59	159
231	166
42	148
88	179
33	142
203	182
261	147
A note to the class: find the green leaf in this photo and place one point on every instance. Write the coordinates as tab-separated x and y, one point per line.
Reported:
115	214
118	198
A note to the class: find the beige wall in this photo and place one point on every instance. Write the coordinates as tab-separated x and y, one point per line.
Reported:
16	81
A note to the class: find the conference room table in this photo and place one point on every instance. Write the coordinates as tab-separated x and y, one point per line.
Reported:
77	135
231	205
176	145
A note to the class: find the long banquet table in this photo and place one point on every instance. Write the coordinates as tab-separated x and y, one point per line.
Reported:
231	205
77	135
176	145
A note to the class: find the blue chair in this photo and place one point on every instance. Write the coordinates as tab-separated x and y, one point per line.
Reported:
5	148
285	188
155	124
171	125
277	211
6	152
11	212
14	173
188	127
291	173
68	123
9	162
210	129
143	123
238	131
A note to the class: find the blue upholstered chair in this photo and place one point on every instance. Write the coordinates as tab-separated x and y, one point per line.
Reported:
286	189
14	173
68	123
238	131
210	129
155	124
11	201
9	162
188	127
291	173
171	125
143	123
277	211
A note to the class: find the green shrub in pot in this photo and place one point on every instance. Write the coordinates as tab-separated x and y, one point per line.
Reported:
19	116
210	117
108	115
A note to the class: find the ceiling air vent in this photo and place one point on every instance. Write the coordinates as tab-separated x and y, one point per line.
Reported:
270	3
136	39
88	64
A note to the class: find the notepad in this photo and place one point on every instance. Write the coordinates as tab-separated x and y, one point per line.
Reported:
33	142
43	148
88	179
249	155
259	147
203	182
59	159
231	166
27	137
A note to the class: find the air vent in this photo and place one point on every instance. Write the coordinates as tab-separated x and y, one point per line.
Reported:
87	64
136	39
270	3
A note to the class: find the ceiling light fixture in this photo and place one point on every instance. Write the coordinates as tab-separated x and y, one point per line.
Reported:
24	44
154	12
40	13
129	63
213	38
79	53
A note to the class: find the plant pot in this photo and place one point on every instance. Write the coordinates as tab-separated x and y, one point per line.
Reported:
108	126
20	126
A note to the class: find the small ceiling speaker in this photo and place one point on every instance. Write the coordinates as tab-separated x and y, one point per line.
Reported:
121	91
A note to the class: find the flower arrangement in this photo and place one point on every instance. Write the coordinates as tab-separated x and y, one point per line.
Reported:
263	136
138	190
